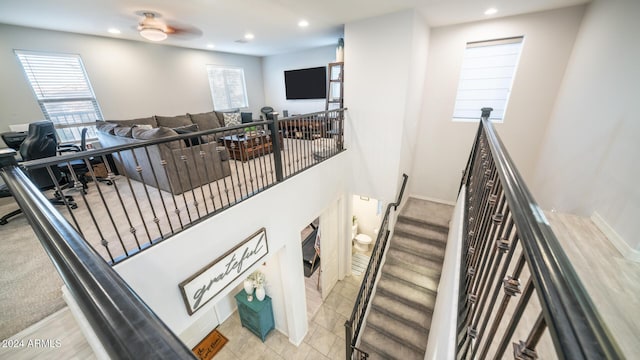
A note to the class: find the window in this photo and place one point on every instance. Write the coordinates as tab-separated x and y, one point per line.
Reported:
63	91
486	78
227	87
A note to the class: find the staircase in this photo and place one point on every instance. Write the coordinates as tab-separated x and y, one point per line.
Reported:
398	323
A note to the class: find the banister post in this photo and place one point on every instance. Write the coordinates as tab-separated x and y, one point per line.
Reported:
7	157
486	111
277	147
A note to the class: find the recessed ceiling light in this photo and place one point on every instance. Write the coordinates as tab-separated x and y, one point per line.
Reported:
491	11
113	31
248	36
210	46
303	23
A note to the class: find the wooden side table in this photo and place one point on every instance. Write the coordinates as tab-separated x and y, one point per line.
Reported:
256	316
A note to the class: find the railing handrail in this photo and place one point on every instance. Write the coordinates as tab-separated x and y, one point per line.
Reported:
125	325
351	338
575	327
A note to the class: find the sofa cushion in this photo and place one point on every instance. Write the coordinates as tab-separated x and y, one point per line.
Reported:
156	133
190	129
123	131
105	127
141	121
173	121
232	119
206	121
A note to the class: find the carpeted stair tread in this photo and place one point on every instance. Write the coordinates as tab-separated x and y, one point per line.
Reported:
400	331
421	246
412	295
390	305
416	261
422	210
411	228
426	281
377	343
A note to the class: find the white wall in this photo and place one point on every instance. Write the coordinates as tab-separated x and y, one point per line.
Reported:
443	146
273	68
380	54
130	79
590	155
155	273
368	216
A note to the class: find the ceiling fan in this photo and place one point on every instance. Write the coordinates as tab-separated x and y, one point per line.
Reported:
152	28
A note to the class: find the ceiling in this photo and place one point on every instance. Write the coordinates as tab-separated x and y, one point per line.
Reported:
222	23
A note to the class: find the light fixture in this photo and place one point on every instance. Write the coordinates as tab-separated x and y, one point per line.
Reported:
491	11
210	46
303	23
113	31
249	36
153	34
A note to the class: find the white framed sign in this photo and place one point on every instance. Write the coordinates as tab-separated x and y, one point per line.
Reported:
201	287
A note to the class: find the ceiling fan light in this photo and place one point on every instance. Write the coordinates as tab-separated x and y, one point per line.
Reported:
153	34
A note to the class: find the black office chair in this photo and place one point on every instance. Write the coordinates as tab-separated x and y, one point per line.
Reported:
40	143
79	167
267	111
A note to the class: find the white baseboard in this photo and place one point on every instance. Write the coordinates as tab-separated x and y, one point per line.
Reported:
616	240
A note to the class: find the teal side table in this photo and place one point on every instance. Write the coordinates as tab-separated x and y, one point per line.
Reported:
256	316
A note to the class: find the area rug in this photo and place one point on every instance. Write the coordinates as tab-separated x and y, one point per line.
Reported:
210	345
359	263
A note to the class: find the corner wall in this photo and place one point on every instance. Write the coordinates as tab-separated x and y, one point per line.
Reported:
130	79
382	95
443	145
589	160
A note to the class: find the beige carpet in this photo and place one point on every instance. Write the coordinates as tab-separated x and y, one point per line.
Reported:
30	284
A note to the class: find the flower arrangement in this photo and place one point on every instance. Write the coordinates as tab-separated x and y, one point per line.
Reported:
258	278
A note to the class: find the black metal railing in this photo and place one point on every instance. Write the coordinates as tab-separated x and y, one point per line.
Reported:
353	325
123	323
159	187
506	239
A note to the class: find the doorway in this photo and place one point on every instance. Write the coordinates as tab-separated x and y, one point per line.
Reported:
311	263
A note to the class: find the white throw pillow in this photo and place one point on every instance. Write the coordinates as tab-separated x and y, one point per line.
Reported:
232	119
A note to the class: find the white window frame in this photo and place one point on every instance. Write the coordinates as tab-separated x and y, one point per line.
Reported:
486	78
63	91
221	83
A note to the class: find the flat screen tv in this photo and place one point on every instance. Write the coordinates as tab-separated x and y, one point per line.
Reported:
303	84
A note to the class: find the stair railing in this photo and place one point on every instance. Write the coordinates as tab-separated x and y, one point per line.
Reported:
353	325
126	327
506	238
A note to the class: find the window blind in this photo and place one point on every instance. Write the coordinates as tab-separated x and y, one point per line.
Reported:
228	88
63	91
487	74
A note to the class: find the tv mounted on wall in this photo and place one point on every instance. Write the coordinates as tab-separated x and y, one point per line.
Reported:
303	84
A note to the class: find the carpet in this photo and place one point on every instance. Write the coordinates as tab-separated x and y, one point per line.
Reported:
359	263
210	345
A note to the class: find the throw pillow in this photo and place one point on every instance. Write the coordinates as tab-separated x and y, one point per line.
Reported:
196	140
205	121
232	119
156	133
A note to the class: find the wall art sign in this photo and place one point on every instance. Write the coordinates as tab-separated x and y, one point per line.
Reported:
201	287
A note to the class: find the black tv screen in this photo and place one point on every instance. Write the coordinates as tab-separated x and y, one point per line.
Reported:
308	83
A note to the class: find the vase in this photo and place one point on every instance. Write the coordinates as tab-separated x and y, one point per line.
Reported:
260	294
248	287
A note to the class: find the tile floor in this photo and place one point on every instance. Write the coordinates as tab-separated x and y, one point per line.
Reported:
324	340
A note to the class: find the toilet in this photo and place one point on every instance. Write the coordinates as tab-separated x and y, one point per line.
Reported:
361	243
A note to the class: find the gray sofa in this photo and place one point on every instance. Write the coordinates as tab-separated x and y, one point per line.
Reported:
185	167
